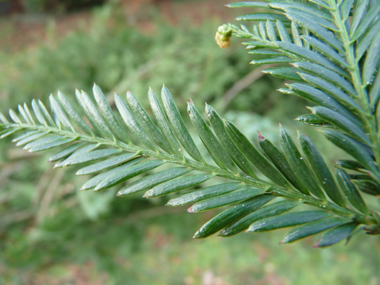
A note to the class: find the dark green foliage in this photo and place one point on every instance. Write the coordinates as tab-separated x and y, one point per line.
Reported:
264	212
231	215
336	234
205	193
320	170
313	228
253	155
153	180
319	42
226	199
177	185
218	128
287	220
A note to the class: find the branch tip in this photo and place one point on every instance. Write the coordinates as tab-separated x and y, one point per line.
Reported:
260	136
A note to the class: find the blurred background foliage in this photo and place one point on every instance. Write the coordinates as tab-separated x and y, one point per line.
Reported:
50	233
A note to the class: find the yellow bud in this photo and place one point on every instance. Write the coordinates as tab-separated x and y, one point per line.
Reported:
222	41
223	36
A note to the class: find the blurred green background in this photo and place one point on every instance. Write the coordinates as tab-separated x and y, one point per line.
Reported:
50	233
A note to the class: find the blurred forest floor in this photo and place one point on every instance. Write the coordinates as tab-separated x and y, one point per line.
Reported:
50	233
29	30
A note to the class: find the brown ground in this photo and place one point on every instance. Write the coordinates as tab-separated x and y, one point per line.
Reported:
26	31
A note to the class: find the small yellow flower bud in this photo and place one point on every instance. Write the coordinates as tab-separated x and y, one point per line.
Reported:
223	36
222	43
